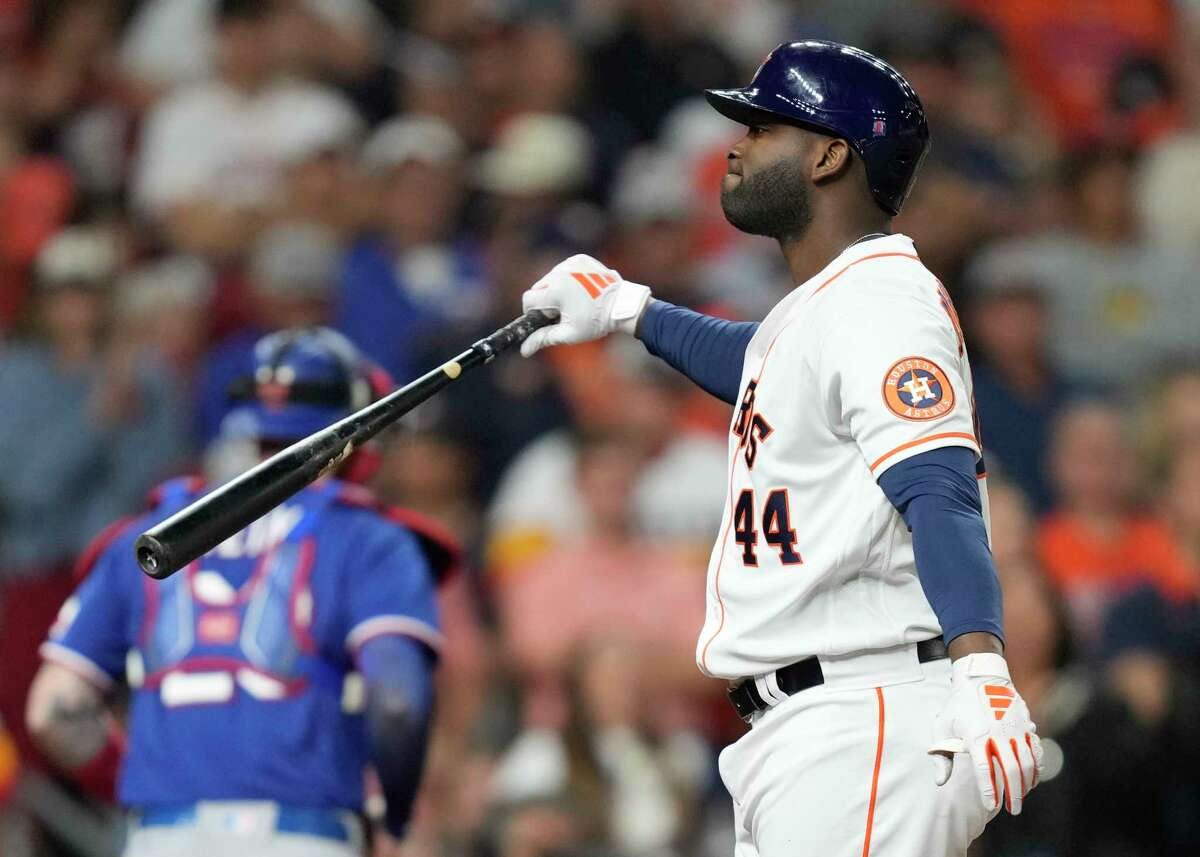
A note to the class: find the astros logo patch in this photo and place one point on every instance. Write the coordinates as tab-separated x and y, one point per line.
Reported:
917	389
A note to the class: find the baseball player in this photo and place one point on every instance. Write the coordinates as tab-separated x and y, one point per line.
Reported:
852	600
249	730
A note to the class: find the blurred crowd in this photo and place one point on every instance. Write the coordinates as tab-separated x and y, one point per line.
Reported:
178	177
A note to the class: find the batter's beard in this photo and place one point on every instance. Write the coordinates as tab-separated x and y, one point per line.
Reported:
773	202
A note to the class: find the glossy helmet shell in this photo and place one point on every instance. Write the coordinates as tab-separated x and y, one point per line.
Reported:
845	92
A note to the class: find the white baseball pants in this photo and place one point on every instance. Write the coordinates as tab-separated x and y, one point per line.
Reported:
238	829
841	770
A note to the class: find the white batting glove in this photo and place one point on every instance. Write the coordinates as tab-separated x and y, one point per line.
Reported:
591	300
987	720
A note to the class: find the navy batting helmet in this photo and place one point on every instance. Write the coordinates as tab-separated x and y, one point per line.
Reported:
845	92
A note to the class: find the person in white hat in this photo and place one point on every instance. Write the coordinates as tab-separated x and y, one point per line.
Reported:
212	154
414	271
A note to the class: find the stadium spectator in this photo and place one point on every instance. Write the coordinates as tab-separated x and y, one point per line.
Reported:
92	424
431	80
414	272
536	829
210	156
1142	800
653	236
171	43
1014	526
102	411
656	41
1170	215
1096	544
525	396
1069	53
426	467
632	783
163	306
1181	512
1018	391
37	196
76	103
581	590
536	164
539	500
1173	418
292	273
1119	307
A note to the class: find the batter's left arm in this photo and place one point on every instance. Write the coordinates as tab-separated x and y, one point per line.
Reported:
937	493
985	717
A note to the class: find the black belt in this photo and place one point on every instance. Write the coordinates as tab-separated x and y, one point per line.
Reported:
805	674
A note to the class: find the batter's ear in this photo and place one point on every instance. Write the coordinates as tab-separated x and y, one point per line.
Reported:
833	157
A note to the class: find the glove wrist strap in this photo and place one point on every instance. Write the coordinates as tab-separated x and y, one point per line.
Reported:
628	305
981	665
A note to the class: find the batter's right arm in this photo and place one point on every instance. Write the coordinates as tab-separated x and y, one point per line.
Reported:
593	301
708	350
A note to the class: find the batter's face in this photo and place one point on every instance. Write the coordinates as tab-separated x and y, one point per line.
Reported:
766	191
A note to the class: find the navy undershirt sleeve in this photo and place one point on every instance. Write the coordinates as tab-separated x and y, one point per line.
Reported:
398	672
708	350
937	493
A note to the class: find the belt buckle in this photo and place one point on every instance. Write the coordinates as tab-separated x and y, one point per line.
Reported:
741	701
238	818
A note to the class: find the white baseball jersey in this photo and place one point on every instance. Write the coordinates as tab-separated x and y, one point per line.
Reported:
854	371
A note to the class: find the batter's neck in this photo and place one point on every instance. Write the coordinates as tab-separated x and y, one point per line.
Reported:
825	239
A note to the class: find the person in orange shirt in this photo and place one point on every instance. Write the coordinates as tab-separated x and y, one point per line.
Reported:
1069	54
1096	543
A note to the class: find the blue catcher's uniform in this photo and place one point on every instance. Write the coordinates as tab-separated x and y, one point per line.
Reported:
247	713
242	664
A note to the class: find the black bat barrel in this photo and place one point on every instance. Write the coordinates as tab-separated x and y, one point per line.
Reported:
167	547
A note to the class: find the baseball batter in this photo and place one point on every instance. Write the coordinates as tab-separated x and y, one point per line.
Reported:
268	674
852	600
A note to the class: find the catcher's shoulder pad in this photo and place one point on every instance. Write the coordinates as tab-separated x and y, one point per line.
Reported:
441	549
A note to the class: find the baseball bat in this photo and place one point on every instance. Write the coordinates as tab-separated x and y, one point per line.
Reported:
193	531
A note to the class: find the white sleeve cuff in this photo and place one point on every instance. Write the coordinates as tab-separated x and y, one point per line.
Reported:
381	626
80	665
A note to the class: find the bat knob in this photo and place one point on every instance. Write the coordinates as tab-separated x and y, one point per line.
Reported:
152	557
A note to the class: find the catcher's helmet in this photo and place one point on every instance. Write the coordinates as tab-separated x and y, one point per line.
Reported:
301	381
845	92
